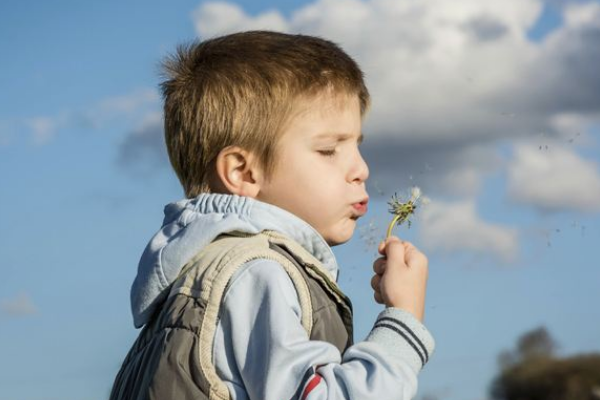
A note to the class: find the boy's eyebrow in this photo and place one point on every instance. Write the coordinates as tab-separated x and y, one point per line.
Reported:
340	136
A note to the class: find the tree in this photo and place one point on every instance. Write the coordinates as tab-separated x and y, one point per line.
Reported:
536	343
533	372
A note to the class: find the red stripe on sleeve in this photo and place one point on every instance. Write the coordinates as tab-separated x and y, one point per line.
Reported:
311	385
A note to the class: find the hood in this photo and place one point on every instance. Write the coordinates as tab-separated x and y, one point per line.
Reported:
190	225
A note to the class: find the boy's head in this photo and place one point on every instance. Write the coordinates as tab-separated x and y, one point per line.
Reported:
242	91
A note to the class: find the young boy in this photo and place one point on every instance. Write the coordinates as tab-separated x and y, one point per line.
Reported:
237	291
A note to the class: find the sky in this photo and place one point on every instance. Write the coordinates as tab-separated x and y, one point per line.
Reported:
491	108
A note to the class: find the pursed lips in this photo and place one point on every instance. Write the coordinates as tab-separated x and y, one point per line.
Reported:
361	207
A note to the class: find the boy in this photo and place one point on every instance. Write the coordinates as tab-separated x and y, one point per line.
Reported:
237	291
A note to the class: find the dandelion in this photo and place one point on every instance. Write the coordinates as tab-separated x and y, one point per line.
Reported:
402	211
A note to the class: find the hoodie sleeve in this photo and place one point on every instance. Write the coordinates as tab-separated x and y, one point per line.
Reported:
263	352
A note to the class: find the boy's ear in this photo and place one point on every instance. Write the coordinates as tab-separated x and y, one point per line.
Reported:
237	172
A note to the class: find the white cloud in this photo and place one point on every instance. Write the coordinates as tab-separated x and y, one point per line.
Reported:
5	134
578	14
125	104
414	50
464	181
222	17
470	165
554	178
43	129
455	226
136	104
447	77
453	169
144	149
20	305
568	124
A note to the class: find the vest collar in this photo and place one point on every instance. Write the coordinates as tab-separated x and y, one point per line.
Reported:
261	216
191	224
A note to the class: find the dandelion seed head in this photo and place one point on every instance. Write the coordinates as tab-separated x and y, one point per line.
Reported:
415	193
403	210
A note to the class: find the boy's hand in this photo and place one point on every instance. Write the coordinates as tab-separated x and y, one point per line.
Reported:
400	278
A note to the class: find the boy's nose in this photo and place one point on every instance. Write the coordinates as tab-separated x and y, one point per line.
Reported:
360	170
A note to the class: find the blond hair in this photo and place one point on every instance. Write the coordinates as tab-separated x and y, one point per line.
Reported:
241	89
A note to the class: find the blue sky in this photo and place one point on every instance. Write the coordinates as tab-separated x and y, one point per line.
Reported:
490	108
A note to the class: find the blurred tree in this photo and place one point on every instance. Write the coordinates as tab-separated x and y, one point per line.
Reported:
533	372
535	344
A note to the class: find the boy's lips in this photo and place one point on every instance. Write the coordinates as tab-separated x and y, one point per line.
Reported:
361	207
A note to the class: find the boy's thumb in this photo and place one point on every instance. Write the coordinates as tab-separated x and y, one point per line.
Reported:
394	249
384	245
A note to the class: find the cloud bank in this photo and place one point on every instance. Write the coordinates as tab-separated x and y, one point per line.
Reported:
42	129
554	179
455	226
449	78
143	149
460	91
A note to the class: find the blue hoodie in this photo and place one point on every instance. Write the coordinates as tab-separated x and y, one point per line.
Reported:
289	366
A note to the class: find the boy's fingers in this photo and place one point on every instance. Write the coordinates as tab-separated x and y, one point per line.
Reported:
409	246
384	244
379	266
378	297
394	239
409	249
381	248
412	253
375	282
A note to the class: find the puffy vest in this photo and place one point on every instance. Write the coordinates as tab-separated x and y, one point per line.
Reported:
172	357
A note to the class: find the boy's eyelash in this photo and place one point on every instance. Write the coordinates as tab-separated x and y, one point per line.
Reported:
327	153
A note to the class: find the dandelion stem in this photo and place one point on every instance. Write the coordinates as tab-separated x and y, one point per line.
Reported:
391	226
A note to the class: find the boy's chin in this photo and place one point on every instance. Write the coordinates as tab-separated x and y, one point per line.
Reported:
339	239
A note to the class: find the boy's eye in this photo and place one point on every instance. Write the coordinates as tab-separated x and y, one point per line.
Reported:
327	153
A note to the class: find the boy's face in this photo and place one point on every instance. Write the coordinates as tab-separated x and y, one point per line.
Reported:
320	175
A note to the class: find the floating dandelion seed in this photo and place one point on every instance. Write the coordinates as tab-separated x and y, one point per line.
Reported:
426	168
542	138
378	188
368	235
547	233
402	211
574	137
